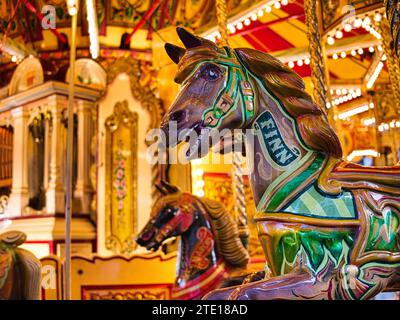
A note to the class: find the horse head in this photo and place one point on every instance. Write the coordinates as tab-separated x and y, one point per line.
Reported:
216	92
224	88
172	215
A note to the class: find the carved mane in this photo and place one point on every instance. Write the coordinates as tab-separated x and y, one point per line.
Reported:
227	233
288	87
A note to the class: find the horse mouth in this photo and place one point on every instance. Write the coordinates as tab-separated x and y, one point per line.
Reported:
146	239
153	246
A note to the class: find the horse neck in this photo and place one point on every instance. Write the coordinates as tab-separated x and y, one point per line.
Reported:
278	152
197	252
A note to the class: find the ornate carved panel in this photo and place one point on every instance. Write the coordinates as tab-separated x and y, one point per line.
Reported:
141	89
121	179
133	292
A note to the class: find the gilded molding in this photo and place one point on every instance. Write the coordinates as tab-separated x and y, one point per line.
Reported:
121	179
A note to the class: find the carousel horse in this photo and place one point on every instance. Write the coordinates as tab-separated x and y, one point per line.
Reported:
210	249
20	270
330	229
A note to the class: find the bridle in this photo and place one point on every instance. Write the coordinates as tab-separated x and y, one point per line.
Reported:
237	83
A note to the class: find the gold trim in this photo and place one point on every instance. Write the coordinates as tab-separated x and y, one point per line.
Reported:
122	242
147	98
293	218
144	94
324	183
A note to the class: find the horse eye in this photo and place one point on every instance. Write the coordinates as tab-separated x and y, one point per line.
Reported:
211	72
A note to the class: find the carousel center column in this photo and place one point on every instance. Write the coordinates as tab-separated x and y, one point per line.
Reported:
83	189
19	198
55	195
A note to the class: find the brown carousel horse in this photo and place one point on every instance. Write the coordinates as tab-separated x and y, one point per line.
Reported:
210	249
329	229
20	270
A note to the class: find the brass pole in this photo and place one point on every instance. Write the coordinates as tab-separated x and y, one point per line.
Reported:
317	61
392	61
69	174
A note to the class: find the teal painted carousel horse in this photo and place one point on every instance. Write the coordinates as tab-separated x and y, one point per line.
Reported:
329	228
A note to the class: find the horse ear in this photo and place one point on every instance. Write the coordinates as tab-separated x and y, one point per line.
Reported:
174	52
169	187
188	39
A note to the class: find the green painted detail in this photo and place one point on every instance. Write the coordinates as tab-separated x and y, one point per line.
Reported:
314	204
236	75
384	233
318	247
294	183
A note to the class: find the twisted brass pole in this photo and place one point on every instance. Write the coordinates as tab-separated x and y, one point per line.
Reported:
317	56
240	200
392	61
393	16
222	20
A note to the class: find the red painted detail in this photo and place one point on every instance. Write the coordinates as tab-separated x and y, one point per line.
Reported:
40	16
147	15
215	274
202	249
268	41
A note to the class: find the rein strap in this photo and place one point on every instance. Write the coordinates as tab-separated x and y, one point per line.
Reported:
238	81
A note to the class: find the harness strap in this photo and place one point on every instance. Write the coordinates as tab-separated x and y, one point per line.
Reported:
237	81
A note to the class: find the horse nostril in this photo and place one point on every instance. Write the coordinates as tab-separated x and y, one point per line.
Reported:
147	235
178	115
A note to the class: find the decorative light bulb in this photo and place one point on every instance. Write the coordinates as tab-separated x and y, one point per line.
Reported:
277	5
367	20
358	22
268	9
335	56
348	27
360	51
343	54
331	40
339	34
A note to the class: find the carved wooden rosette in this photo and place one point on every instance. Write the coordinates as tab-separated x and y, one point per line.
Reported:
146	97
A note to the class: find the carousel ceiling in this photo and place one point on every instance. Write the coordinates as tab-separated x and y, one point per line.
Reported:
277	27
